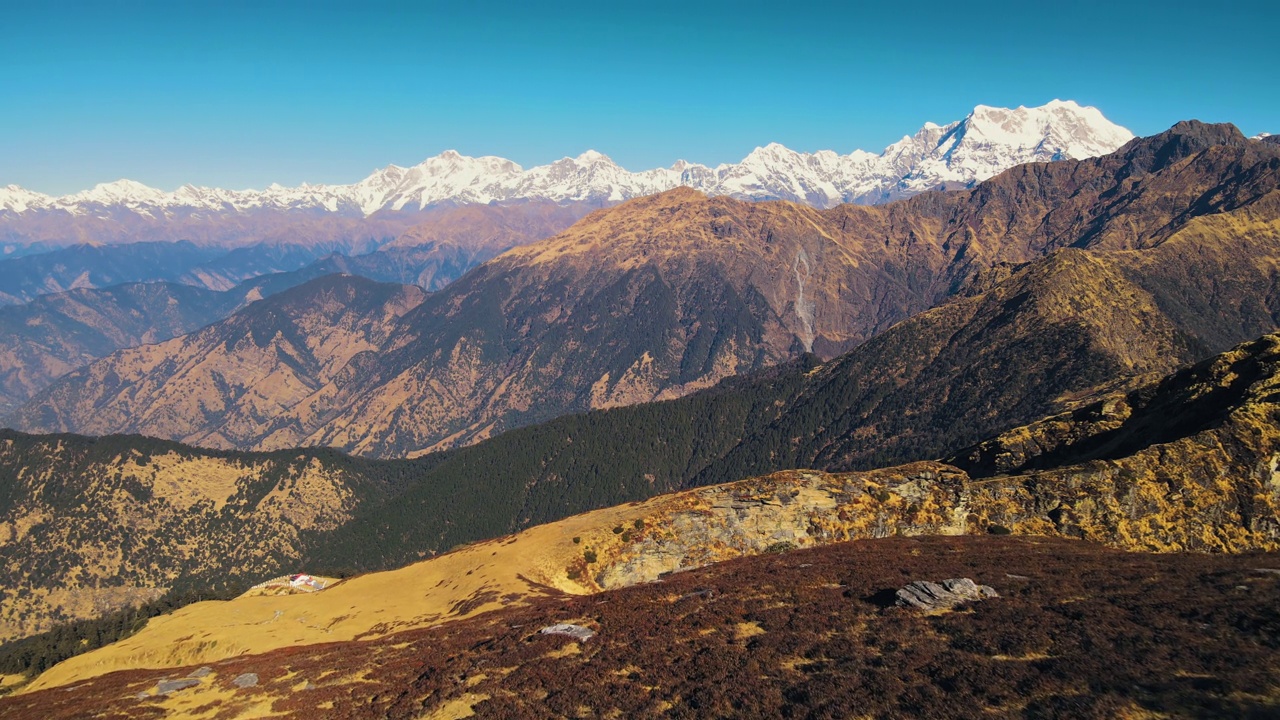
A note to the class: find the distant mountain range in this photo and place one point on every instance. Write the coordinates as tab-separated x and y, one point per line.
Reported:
958	154
664	295
432	250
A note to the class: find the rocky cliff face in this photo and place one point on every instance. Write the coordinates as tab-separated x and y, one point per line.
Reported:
666	295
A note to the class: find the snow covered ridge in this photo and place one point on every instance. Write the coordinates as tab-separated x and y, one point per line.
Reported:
985	143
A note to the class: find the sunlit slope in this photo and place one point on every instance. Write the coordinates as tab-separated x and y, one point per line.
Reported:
1184	464
91	525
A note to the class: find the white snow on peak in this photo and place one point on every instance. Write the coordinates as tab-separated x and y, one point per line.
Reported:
16	199
591	156
964	152
120	192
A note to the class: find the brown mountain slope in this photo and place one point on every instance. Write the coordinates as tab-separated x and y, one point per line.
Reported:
233	382
1030	344
651	300
55	334
1078	631
664	295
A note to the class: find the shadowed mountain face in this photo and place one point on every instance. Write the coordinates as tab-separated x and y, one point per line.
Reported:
25	278
665	295
85	267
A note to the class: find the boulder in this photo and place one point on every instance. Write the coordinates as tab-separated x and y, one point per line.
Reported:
927	595
164	687
577	632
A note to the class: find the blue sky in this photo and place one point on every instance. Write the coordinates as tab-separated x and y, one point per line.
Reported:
245	94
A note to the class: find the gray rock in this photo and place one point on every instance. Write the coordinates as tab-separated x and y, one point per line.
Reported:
574	631
927	595
246	680
164	687
201	672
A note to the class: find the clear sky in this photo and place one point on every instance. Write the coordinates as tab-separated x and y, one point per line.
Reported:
245	94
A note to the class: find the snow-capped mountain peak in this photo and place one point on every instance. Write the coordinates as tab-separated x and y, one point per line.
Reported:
17	199
1074	131
119	192
988	141
592	156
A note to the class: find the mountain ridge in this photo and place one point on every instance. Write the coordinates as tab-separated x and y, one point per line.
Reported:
960	153
797	416
666	294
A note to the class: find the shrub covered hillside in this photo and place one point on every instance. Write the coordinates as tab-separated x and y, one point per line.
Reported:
1078	631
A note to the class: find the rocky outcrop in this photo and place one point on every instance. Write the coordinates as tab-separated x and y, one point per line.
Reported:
932	596
1184	464
577	632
